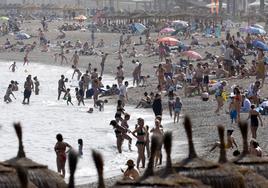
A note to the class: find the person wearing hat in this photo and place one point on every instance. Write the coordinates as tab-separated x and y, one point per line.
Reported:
131	173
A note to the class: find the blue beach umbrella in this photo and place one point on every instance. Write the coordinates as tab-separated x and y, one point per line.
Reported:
22	36
260	45
139	27
255	30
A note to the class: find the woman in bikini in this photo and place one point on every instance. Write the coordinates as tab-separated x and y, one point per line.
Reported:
140	133
237	101
60	149
171	100
160	72
254	117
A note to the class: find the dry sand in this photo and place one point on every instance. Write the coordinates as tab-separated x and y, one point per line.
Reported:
202	113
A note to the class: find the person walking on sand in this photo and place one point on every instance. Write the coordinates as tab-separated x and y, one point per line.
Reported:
123	96
36	85
118	133
103	59
119	75
60	149
158	131
61	86
157	105
219	96
254	117
137	74
9	92
177	109
28	87
75	59
26	60
13	67
140	133
160	72
260	67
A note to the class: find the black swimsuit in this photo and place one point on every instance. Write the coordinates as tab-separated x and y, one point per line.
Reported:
254	120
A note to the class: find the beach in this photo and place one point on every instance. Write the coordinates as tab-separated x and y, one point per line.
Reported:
202	114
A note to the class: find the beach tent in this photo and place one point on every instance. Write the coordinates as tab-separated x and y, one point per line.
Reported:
140	28
260	45
22	36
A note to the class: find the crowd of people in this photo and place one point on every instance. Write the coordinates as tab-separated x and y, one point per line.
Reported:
205	78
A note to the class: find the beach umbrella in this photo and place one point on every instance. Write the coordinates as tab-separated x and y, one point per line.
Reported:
251	178
255	30
14	178
4	18
209	173
169	41
192	55
22	36
139	27
80	18
39	174
260	45
258	164
98	161
167	30
165	177
180	24
258	26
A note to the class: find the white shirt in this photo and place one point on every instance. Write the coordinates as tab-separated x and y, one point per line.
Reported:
122	90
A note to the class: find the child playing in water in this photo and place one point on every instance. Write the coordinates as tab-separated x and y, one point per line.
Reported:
125	125
68	97
9	92
119	110
13	67
100	104
80	147
79	93
177	109
230	141
36	85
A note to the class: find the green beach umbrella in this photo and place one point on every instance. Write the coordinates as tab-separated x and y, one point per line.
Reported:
4	18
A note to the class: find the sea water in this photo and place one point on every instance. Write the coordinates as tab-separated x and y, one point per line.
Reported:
46	116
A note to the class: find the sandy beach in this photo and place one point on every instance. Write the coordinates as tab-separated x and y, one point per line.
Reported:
204	119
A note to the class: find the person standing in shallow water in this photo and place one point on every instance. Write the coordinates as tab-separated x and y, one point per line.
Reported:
28	87
36	85
140	133
60	149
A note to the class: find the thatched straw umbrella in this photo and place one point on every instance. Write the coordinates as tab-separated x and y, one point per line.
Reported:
259	164
163	178
73	158
252	179
209	173
39	174
14	177
99	165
